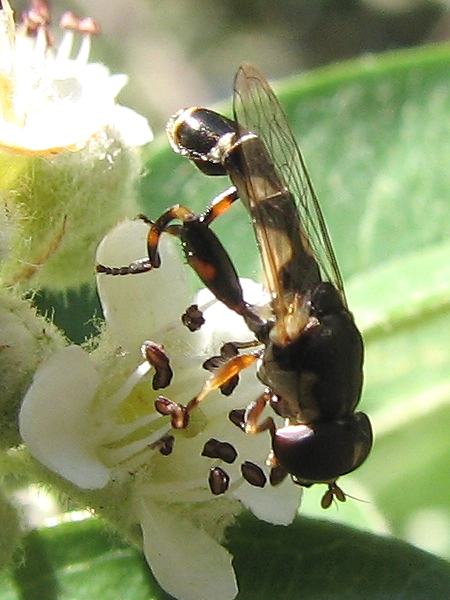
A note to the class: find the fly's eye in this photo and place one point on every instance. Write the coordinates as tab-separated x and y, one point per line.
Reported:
323	451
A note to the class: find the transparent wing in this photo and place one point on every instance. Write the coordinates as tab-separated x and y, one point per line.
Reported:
275	186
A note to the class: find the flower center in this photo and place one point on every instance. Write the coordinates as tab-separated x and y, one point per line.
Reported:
128	425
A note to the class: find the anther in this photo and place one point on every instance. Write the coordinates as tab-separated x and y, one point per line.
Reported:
164	444
253	474
71	22
36	18
218	480
193	318
155	355
277	475
216	449
236	416
227	352
177	412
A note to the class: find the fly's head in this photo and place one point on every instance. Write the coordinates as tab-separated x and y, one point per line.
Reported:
204	137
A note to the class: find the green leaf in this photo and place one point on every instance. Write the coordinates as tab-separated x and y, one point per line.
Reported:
317	559
79	561
309	559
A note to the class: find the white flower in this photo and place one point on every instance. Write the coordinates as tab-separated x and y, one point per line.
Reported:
68	150
49	100
91	419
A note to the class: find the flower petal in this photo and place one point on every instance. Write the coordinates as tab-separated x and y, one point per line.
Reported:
133	127
221	323
54	418
188	563
136	306
275	504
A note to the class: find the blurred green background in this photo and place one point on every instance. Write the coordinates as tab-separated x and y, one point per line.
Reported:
182	52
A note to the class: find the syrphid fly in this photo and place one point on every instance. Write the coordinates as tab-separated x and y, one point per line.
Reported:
309	352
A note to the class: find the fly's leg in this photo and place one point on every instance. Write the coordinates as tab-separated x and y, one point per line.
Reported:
203	251
180	414
222	376
219	204
141	265
254	411
248	421
228	351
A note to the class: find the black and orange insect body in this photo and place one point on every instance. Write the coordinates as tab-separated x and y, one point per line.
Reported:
313	356
310	354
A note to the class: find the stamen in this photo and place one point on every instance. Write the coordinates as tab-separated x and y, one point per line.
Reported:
116	399
193	318
69	21
116	456
155	355
89	26
237	417
277	475
40	48
111	432
37	18
178	413
253	474
164	445
84	51
218	480
86	26
223	450
65	47
228	351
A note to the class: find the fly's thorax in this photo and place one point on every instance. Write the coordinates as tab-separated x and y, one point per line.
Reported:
293	319
325	300
280	370
263	183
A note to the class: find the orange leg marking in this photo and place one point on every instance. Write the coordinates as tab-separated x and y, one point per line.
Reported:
229	370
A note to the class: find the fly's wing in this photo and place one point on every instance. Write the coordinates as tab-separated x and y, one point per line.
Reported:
275	187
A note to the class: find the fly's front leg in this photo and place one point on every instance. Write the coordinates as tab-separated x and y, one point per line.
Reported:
219	205
203	251
152	260
161	225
